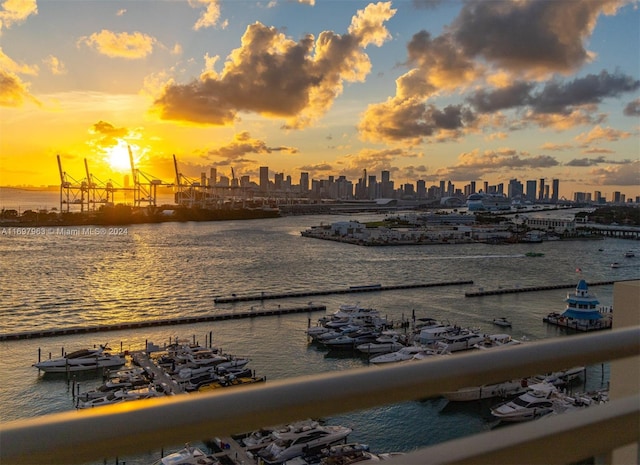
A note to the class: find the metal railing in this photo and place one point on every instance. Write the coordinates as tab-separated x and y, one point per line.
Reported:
81	436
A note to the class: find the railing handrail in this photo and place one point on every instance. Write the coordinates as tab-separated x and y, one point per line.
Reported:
73	437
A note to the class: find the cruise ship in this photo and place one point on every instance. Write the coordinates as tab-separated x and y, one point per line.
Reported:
488	202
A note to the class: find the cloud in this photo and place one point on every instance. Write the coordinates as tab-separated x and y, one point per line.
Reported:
242	145
276	77
131	46
504	49
56	67
530	36
477	164
555	147
632	108
109	135
13	91
619	175
211	14
557	97
598	133
581	162
15	12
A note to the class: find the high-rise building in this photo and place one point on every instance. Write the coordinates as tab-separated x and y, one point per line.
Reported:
304	182
264	178
541	192
531	190
421	189
515	189
555	191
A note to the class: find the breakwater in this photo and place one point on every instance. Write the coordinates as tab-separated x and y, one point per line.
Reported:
348	290
516	290
165	322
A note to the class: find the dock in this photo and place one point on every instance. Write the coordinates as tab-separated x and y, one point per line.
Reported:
183	320
516	290
348	290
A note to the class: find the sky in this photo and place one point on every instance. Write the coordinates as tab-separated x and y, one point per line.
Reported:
432	90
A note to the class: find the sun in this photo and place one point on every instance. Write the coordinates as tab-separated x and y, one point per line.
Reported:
118	157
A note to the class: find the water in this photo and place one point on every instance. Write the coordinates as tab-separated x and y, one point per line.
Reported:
177	269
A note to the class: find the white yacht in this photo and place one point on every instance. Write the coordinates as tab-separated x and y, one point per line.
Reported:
82	360
188	456
285	449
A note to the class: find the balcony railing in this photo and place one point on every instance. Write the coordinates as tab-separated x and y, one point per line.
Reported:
81	436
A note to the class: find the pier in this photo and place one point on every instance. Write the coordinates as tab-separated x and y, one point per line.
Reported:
516	290
348	290
166	322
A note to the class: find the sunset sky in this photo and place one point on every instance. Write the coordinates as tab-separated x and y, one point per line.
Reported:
427	89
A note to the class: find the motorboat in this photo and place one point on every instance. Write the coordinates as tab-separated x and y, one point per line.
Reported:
188	456
350	453
112	385
615	265
231	380
317	438
493	341
502	321
543	399
122	395
350	341
629	254
409	353
536	402
265	436
82	360
379	347
457	342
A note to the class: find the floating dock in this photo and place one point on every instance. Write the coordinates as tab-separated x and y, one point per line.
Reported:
348	290
517	290
167	322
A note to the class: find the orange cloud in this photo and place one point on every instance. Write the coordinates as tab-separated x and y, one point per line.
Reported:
598	133
208	18
120	45
276	77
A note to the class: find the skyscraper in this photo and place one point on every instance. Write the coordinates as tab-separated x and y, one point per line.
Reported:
555	192
264	178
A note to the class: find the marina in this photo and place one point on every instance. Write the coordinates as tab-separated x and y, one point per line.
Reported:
173	272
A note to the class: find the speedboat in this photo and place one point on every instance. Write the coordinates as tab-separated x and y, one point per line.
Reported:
188	456
296	445
502	321
629	254
82	360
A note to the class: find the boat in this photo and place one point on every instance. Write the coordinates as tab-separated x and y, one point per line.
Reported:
502	321
615	265
535	254
188	456
227	381
629	254
283	449
492	341
457	342
265	436
122	395
582	311
379	347
82	360
543	399
406	353
350	341
350	453
536	402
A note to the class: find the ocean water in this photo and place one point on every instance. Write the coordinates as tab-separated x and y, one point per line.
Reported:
157	271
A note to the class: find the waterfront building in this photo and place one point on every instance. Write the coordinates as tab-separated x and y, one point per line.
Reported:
541	191
531	190
264	178
557	225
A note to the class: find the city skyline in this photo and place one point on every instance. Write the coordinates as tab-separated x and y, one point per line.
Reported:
426	90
